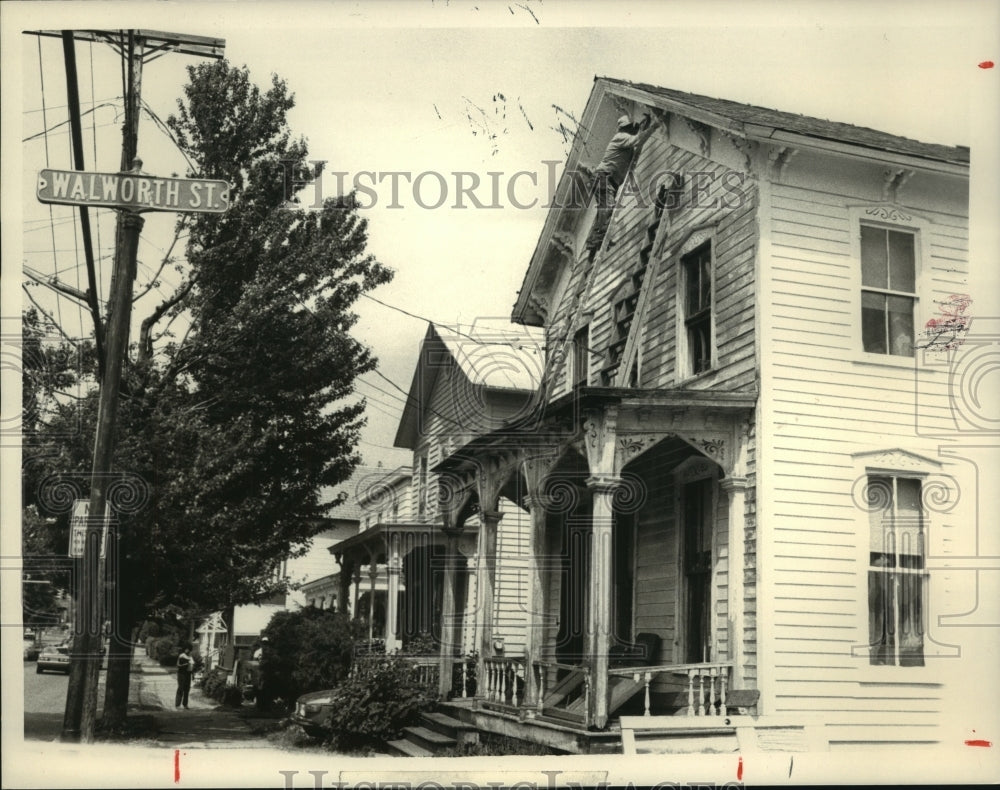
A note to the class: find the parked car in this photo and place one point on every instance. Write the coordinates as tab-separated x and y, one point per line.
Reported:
54	658
31	650
312	712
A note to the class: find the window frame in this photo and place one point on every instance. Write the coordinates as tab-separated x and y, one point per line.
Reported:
683	364
896	574
892	218
580	373
916	462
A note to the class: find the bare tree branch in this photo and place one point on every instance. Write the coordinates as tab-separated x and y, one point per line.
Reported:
145	341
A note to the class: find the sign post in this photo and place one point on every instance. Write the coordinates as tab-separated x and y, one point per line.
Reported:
132	193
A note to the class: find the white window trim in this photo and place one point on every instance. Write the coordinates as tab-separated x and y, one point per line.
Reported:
892	462
682	362
890	217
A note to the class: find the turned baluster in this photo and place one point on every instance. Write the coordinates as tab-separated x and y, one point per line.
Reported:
690	710
701	695
723	680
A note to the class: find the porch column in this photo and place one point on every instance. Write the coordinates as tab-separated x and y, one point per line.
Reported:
449	618
393	568
485	585
344	581
602	488
735	489
356	578
535	609
372	576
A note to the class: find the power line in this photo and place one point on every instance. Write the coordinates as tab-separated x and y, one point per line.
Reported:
451	327
45	123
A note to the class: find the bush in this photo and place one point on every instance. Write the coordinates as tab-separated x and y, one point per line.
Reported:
377	701
164	649
308	650
213	683
216	686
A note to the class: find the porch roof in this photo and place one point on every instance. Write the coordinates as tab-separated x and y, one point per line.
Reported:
378	535
551	418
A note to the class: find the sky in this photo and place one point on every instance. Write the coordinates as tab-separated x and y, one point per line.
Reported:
439	88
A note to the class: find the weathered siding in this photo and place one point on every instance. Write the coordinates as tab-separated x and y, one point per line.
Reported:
828	400
727	202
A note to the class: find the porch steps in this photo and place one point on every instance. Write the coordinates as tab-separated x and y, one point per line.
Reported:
437	732
406	748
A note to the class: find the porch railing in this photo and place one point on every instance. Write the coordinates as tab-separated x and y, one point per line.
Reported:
504	681
463	685
707	685
425	668
574	678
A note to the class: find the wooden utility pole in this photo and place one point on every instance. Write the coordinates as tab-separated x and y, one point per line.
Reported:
136	46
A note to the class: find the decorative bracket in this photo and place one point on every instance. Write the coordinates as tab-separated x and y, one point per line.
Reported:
778	160
704	134
599	429
742	145
892	182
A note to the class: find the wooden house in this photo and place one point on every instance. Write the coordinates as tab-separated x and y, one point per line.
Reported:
736	470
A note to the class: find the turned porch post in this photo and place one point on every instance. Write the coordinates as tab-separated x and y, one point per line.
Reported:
602	488
344	596
535	610
449	615
485	586
393	567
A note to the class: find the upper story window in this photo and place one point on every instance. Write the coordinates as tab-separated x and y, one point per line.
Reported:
888	290
581	356
422	488
696	276
896	572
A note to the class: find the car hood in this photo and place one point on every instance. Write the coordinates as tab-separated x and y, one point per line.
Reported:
324	697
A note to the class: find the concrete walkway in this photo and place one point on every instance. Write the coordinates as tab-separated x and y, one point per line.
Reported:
204	725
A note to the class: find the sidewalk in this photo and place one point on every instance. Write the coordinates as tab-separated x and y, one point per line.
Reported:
205	725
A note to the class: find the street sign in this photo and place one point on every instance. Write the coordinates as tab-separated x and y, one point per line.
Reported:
133	191
78	523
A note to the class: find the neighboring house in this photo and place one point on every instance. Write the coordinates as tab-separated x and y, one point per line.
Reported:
240	626
464	384
736	472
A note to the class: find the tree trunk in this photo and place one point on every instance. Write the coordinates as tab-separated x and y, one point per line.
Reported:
119	677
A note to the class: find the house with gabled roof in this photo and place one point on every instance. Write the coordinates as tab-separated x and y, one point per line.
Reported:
738	467
465	383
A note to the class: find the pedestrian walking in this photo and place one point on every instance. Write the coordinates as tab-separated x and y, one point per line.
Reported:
185	668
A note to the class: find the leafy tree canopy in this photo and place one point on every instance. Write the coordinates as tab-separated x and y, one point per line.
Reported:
237	402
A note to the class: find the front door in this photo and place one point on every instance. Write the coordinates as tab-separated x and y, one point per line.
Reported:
696	510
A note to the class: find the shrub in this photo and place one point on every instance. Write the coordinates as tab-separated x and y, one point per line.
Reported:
377	701
164	649
213	683
308	650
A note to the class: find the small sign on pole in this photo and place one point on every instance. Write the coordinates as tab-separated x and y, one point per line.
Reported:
133	191
78	524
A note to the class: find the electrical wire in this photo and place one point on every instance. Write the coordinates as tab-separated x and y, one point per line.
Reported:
45	124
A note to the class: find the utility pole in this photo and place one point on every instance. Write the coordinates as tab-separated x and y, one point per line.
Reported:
136	46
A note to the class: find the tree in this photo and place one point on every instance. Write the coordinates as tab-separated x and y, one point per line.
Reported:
232	429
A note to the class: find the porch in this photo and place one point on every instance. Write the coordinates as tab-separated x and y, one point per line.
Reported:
633	592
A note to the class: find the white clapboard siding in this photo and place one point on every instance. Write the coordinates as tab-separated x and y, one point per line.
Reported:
824	406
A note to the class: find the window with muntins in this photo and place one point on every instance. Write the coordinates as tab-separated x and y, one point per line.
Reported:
888	290
896	572
581	356
697	272
422	488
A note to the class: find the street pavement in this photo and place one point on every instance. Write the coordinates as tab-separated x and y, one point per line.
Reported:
204	725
